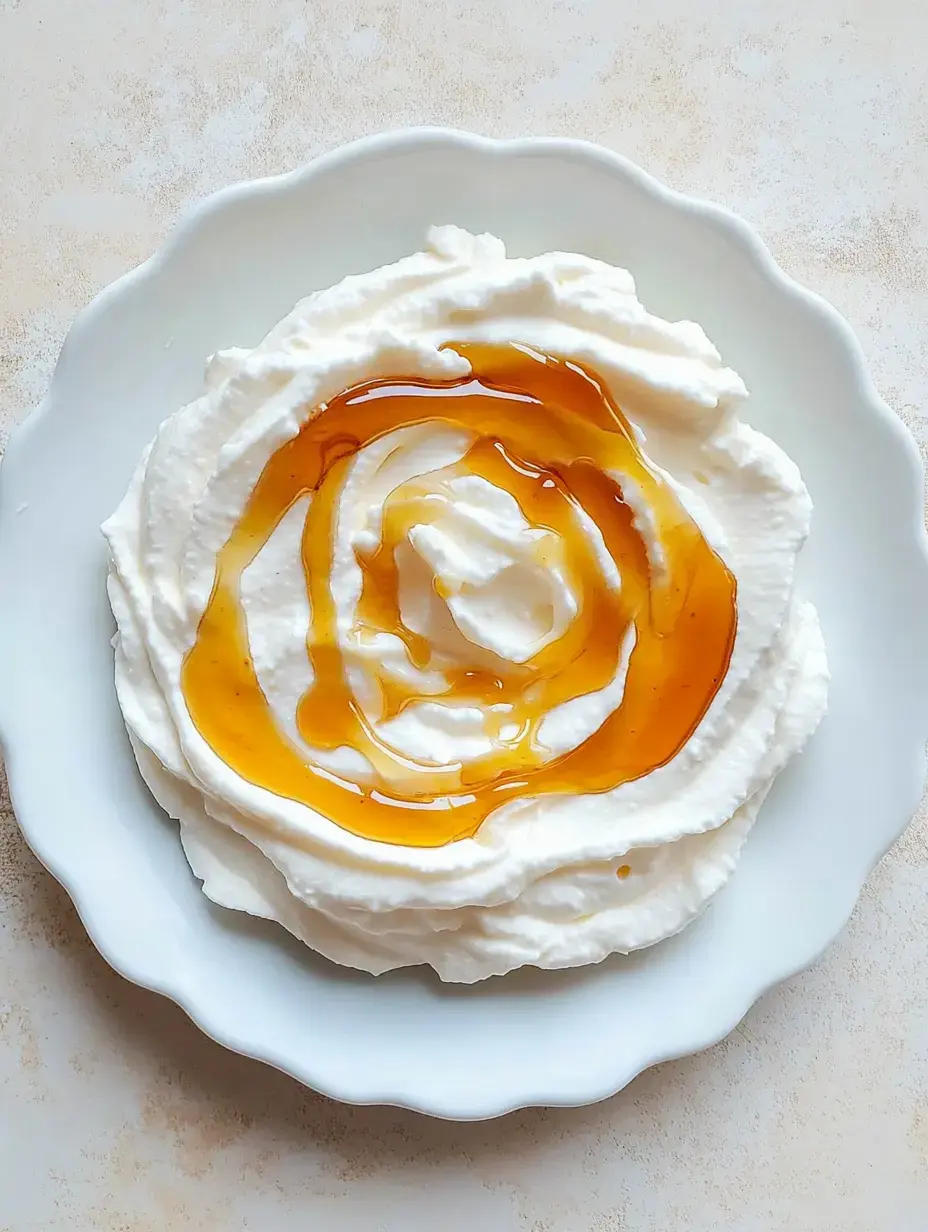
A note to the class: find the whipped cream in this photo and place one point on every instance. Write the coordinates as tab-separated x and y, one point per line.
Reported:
551	880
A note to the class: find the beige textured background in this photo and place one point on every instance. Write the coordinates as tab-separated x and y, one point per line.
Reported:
810	117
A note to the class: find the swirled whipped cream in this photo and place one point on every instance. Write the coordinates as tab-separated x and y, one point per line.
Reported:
456	620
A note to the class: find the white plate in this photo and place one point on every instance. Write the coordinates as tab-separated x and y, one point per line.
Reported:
234	267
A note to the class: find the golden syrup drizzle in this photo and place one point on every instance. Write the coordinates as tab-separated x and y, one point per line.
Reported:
560	445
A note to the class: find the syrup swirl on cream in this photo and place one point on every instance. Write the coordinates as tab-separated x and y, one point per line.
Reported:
546	431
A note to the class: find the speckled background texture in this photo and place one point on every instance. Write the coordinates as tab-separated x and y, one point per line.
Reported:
809	118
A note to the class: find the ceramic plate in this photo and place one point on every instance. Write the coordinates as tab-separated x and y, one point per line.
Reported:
232	269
